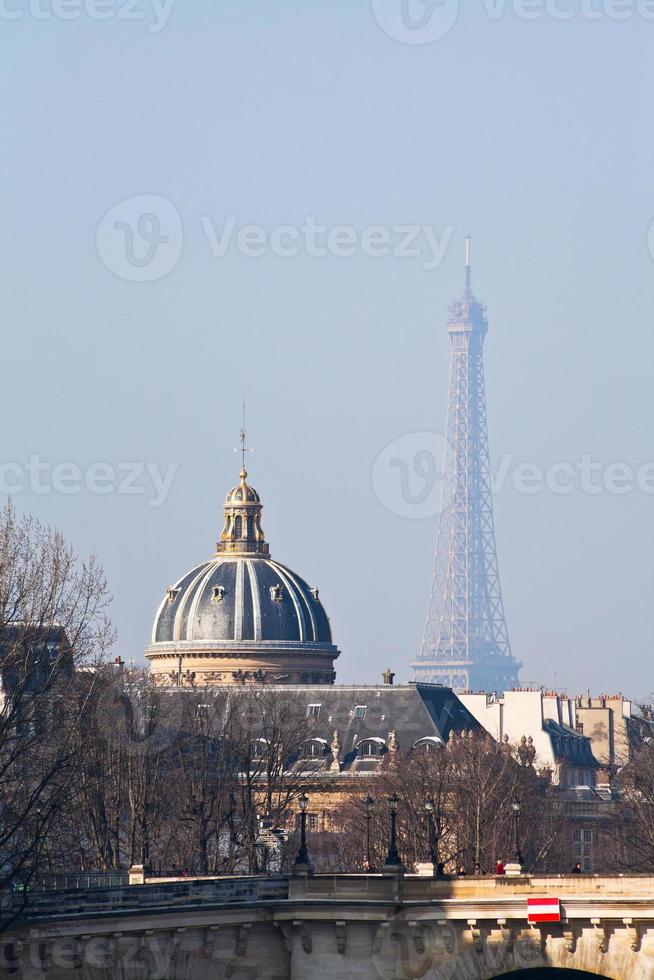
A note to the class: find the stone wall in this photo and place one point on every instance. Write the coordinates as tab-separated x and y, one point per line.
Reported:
335	927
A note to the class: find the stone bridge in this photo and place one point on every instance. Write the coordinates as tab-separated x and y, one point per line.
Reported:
334	926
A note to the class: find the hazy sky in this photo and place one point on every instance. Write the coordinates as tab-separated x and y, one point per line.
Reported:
131	340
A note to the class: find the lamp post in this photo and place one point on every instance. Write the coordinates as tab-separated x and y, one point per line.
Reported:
302	865
515	807
393	863
368	804
433	843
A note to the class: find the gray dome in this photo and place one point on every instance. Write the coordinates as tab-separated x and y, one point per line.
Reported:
236	599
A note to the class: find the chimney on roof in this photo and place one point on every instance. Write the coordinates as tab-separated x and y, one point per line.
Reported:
388	676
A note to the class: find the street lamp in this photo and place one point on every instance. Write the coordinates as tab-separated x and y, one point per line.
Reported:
368	804
433	843
515	807
302	863
393	861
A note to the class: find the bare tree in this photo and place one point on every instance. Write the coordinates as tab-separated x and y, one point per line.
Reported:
98	808
268	731
52	619
634	845
148	730
202	778
469	785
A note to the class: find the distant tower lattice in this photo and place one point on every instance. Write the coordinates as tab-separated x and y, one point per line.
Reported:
466	644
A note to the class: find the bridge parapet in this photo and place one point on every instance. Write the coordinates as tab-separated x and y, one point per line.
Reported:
155	894
418	888
336	927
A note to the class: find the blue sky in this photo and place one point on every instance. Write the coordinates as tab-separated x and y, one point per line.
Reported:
531	134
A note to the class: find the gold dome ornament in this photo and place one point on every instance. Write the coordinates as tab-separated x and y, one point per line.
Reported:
242	533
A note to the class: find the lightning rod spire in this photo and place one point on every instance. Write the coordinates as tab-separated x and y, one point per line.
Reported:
468	267
244	448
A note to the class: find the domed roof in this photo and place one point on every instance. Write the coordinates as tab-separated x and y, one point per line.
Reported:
240	614
236	599
243	493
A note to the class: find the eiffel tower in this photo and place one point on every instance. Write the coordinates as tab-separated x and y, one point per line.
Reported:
466	644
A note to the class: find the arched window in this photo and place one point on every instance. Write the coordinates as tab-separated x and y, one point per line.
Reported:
314	748
238	526
371	747
430	743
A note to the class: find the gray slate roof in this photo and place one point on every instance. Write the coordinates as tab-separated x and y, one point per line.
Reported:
411	711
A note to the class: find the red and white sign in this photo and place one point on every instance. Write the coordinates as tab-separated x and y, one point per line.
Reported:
543	910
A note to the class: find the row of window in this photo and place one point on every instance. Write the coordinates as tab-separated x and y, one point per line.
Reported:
315	748
359	710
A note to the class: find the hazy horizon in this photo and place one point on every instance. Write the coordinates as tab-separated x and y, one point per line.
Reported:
166	179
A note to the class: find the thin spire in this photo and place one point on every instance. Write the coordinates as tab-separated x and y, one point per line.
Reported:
468	268
243	437
244	449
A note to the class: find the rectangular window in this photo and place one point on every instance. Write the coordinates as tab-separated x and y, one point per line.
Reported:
313	710
583	849
312	821
360	710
